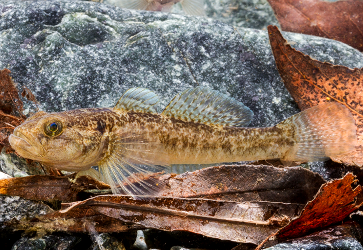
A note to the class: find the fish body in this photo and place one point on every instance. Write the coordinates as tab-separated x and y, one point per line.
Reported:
199	126
191	7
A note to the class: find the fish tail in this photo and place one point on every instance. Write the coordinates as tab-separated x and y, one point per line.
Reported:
131	4
193	7
321	132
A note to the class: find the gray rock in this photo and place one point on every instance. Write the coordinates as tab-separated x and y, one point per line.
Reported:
48	242
14	208
140	241
85	54
256	14
15	166
342	237
105	241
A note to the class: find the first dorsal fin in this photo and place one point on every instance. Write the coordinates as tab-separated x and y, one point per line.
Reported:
138	99
208	106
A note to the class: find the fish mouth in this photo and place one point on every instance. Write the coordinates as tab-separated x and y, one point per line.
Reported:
23	147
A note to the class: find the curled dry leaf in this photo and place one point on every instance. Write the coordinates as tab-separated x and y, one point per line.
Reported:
311	83
49	188
340	20
333	203
248	222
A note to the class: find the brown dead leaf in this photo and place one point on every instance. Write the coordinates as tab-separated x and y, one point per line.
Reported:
11	108
334	202
311	83
340	20
50	188
248	222
74	222
244	183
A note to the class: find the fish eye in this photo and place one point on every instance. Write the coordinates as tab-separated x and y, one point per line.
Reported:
53	128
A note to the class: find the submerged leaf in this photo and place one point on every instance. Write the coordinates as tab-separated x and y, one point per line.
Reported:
244	183
340	20
248	222
334	202
311	83
11	108
49	188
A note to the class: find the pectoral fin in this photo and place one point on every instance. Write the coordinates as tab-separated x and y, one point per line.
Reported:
129	164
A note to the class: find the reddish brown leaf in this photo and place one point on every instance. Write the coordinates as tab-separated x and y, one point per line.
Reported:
311	83
341	20
334	202
11	108
49	188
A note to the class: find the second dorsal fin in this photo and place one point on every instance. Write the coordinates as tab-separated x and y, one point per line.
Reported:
210	107
138	99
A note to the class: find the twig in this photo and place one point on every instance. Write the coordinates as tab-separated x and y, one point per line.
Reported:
265	240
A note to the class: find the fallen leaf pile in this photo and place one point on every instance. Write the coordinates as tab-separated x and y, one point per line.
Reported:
340	20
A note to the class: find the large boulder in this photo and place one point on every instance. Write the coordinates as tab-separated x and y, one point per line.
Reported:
86	54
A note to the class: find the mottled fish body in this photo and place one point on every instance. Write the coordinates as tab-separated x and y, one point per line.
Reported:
190	7
199	126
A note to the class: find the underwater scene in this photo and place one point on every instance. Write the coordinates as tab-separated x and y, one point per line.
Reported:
181	124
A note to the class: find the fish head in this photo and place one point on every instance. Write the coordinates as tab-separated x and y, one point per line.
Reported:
57	140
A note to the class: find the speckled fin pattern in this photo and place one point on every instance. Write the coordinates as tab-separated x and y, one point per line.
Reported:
321	132
133	4
210	107
125	172
193	7
138	99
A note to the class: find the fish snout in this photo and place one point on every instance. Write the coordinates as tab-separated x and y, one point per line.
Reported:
27	145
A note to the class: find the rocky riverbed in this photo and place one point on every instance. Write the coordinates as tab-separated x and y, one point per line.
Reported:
78	54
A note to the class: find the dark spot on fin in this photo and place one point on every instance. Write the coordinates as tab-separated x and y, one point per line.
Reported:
210	107
139	100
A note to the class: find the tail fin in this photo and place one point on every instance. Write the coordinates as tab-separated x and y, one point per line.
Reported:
320	132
